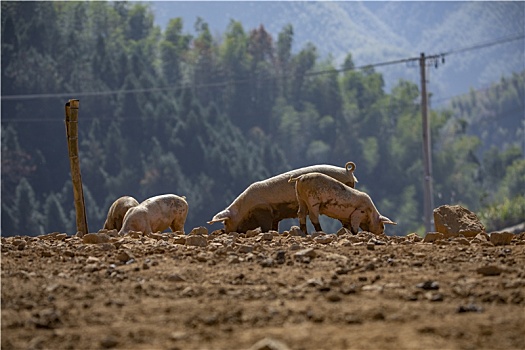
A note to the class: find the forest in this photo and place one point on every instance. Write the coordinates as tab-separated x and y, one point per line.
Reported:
165	111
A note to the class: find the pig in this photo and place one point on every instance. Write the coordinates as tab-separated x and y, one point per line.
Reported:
320	194
156	214
117	211
264	203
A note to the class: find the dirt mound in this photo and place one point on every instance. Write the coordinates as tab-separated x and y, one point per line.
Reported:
262	290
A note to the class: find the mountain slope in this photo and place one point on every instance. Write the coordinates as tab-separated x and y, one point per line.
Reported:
376	32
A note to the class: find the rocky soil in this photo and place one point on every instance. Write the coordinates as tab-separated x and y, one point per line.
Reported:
262	291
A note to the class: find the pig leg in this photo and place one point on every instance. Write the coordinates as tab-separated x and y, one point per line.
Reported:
275	225
313	212
355	220
303	211
176	226
147	229
265	219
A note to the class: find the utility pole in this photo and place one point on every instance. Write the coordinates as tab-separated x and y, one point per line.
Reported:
427	154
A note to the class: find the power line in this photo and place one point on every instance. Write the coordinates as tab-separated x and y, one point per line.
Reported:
61	120
243	81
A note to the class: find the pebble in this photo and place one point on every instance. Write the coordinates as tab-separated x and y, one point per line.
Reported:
305	255
296	231
324	239
179	240
176	278
333	297
432	237
348	289
489	270
428	285
414	237
269	344
196	241
469	308
501	238
245	248
92	260
253	233
95	238
432	296
109	342
280	257
201	230
124	256
266	236
268	262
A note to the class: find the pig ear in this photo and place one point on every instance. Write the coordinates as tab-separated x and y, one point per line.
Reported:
386	220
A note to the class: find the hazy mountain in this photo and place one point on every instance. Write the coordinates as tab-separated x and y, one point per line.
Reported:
378	31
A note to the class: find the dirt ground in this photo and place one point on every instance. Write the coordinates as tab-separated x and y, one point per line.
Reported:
261	291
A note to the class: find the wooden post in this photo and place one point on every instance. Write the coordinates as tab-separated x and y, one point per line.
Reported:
74	162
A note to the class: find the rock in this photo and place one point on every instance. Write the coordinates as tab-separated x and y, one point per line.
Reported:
95	238
343	231
68	253
324	239
267	262
296	231
197	241
112	233
501	238
253	233
490	270
433	236
308	253
462	240
109	342
333	297
428	285
47	318
135	234
414	237
201	230
176	278
269	344
53	236
434	296
266	236
245	248
453	220
483	236
469	308
179	240
124	256
280	257
158	236
92	260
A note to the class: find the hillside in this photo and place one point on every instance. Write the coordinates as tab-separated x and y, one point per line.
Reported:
383	31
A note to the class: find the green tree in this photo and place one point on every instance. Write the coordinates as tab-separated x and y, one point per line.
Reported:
236	61
173	49
25	212
54	216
